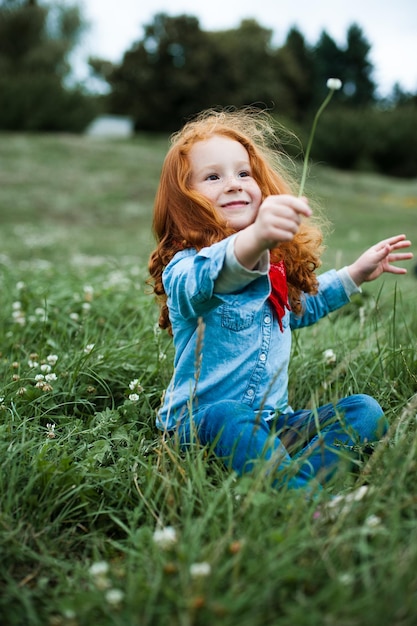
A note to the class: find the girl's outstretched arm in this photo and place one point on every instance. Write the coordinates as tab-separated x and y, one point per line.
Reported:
379	258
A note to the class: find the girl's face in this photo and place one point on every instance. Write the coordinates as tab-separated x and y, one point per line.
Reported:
221	172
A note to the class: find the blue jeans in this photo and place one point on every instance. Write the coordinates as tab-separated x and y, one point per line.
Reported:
298	447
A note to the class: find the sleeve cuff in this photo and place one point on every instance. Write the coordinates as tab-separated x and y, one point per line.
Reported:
234	276
348	283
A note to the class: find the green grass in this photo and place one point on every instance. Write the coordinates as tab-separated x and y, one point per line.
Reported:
85	478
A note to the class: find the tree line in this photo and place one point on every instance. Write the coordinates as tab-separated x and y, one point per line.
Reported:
177	69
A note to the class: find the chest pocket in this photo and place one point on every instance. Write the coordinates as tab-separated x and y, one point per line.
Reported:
236	316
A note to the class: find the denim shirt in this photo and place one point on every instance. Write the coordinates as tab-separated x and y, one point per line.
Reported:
228	345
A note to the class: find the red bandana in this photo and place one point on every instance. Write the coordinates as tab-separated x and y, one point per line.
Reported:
279	290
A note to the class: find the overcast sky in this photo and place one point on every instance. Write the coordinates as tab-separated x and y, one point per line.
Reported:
390	26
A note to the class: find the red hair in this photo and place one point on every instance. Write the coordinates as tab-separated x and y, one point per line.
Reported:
183	218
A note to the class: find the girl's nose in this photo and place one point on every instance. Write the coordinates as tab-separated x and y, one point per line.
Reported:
233	183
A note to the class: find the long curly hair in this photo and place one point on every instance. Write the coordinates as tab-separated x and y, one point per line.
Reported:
183	218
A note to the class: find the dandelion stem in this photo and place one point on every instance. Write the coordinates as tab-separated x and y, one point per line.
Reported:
310	140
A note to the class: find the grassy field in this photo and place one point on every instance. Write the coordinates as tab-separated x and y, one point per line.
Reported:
101	522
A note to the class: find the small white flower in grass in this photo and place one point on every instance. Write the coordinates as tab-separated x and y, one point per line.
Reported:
33	364
50	431
88	293
372	521
89	348
329	357
346	579
200	570
16	306
100	568
52	359
114	596
20	285
39	377
135	386
50	377
45	367
165	537
74	317
133	397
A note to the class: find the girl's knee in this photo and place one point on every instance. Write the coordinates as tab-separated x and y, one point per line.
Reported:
365	415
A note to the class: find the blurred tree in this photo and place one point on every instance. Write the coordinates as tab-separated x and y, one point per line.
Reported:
297	71
249	72
351	64
358	83
165	77
35	42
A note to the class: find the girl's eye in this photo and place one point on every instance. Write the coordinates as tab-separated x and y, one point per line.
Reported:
244	174
212	177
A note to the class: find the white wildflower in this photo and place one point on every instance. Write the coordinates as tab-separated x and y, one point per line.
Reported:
133	397
33	364
346	579
50	377
52	359
114	596
50	431
74	317
100	568
88	293
329	356
200	570
334	84
39	377
20	285
135	386
89	348
45	367
86	307
372	521
165	537
16	306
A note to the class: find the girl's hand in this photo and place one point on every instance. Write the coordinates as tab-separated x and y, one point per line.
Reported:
378	259
278	220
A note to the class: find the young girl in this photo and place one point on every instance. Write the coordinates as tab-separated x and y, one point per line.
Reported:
234	271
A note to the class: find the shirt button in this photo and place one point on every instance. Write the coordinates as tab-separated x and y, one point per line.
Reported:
263	356
267	319
250	392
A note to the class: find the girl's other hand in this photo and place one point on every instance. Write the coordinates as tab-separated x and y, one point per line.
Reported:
379	259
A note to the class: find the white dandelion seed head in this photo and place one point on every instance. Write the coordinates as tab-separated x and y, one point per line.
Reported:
99	568
329	356
372	521
165	537
334	84
200	570
114	596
